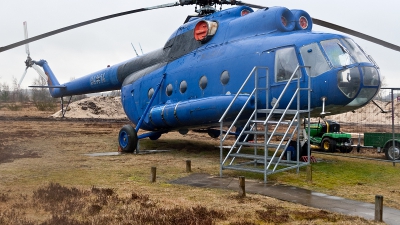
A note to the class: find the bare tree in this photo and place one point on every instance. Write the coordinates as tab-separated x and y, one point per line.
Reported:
5	92
41	96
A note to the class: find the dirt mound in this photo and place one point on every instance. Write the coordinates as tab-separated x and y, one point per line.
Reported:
95	107
379	113
111	108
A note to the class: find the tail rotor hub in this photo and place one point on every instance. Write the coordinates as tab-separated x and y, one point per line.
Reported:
28	61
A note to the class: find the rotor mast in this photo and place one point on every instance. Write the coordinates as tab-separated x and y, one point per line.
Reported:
206	6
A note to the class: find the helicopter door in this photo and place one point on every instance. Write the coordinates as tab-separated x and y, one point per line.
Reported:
316	64
285	63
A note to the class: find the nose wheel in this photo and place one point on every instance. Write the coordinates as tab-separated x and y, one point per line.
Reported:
127	139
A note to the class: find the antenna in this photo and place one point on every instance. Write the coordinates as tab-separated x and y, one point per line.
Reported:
134	49
141	48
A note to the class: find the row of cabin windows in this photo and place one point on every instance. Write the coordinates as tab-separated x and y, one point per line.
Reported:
203	81
286	62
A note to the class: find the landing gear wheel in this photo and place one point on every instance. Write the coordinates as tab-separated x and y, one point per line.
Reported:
213	133
127	138
155	136
349	149
328	145
392	152
346	149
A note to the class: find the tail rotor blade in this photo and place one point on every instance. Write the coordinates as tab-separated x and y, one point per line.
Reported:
23	76
26	37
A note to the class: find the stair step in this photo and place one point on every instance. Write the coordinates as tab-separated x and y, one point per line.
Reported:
259	159
247	156
281	111
258	144
276	146
261	144
274	122
248	169
254	132
277	134
262	133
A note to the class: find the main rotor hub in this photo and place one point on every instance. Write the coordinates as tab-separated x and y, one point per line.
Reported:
206	6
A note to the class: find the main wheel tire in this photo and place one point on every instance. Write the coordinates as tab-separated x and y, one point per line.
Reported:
155	137
127	138
213	133
349	149
392	152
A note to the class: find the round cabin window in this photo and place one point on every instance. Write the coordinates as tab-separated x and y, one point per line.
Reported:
183	86
203	82
224	77
168	90
150	93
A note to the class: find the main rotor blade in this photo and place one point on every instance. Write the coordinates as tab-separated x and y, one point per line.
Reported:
341	29
23	76
356	34
26	37
250	5
41	36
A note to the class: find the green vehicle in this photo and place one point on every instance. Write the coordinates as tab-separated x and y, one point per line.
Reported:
326	136
384	143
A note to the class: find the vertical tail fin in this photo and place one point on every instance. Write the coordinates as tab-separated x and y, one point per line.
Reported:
53	84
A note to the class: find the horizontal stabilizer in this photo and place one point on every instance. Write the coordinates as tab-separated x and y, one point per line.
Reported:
57	86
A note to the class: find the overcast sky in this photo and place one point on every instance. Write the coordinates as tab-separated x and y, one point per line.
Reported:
84	50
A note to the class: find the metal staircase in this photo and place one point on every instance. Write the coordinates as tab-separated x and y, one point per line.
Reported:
269	135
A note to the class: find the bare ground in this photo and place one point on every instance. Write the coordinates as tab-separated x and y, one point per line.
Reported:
47	178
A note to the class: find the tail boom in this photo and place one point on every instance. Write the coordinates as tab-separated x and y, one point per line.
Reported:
100	81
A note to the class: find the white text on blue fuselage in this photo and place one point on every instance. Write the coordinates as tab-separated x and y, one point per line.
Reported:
97	79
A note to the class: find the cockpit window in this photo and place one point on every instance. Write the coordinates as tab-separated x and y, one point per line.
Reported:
348	81
314	59
285	64
337	53
355	50
371	76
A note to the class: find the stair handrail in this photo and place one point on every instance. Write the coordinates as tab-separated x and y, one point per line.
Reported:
283	114
237	94
253	71
237	117
280	144
282	93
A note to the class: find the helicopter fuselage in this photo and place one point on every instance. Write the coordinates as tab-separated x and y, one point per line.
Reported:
200	77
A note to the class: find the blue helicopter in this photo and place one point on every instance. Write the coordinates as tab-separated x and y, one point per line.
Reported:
190	81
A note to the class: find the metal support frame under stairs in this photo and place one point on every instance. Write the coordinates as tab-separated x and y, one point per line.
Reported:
271	129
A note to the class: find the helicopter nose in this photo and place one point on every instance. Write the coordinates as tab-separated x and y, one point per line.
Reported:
359	83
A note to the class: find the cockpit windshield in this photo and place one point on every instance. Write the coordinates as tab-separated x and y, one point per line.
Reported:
355	51
338	55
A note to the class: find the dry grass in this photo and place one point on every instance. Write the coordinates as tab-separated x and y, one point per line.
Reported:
56	204
46	178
